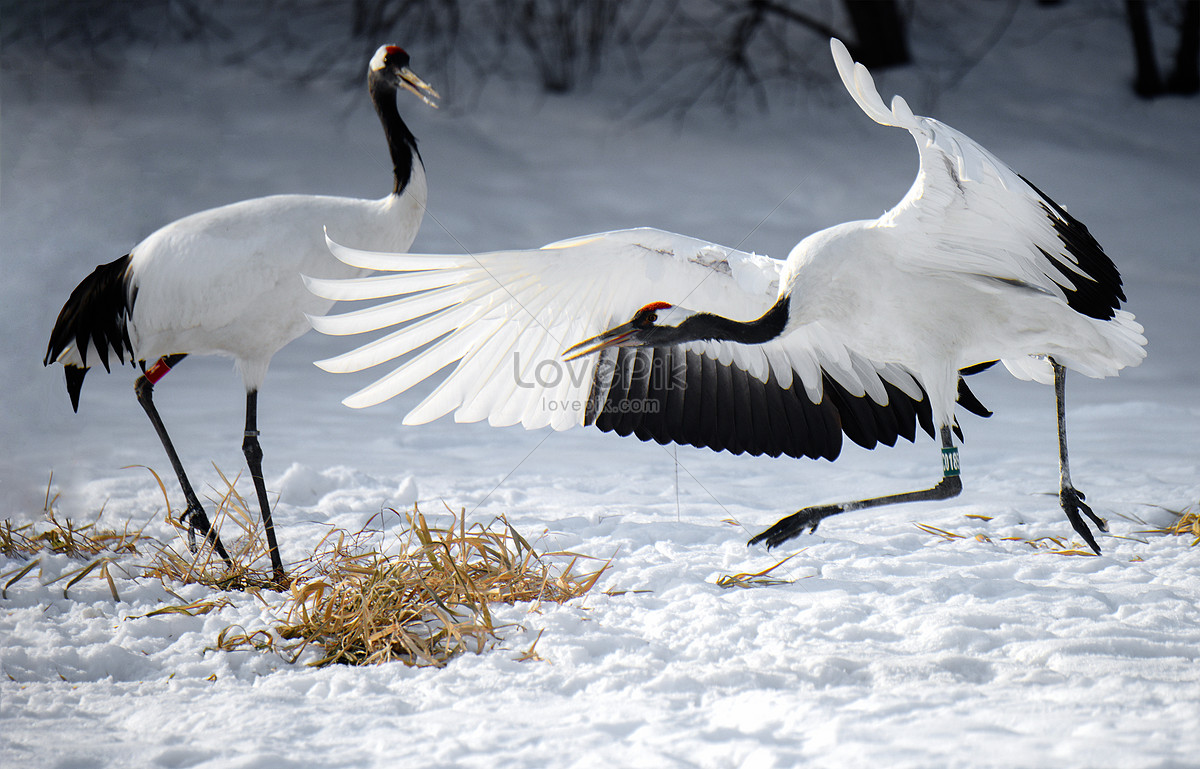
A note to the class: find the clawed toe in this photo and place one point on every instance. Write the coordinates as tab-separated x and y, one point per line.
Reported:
794	525
190	520
197	523
1072	503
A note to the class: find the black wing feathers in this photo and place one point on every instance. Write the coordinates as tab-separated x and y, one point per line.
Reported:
1098	297
678	396
97	312
670	395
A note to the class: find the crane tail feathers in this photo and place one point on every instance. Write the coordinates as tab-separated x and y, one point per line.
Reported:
96	316
75	375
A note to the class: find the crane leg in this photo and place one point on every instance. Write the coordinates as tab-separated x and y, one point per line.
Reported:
1069	497
254	454
194	515
810	517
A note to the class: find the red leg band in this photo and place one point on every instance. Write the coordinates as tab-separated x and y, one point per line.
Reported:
157	371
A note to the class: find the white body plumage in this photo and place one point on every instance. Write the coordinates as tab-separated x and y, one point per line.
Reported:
226	281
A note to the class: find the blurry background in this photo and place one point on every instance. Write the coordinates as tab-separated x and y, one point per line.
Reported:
670	54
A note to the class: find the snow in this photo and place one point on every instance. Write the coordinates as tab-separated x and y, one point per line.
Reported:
891	646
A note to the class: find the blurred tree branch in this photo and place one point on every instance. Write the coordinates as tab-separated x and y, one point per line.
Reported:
1184	78
676	54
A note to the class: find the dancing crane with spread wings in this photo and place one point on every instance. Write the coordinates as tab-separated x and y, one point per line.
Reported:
865	330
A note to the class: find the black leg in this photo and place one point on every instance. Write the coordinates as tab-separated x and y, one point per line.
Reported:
194	515
253	452
1069	497
810	517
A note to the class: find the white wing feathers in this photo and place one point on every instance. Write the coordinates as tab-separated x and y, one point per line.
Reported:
502	319
861	86
505	317
967	212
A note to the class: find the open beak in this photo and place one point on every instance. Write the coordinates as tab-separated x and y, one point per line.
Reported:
621	336
413	84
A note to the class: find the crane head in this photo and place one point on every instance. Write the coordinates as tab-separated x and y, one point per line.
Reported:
390	63
646	328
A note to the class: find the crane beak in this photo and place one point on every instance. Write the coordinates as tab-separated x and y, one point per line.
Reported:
415	85
621	336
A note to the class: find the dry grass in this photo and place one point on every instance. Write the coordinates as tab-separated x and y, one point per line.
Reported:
755	579
422	602
421	598
1187	523
169	562
100	548
1053	545
251	569
65	536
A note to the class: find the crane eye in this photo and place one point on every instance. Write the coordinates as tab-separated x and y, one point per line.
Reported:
646	316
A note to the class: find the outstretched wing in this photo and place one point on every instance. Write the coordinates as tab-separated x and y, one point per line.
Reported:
502	320
969	213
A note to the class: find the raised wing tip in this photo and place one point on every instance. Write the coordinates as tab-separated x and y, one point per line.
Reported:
410	420
861	85
901	112
843	61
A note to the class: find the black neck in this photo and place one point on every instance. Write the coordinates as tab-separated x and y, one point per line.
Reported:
705	326
401	143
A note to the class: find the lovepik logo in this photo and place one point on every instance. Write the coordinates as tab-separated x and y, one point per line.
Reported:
661	372
664	372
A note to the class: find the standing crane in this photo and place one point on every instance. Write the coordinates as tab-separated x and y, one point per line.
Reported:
866	329
226	281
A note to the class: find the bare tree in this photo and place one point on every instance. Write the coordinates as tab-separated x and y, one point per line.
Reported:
102	30
1184	77
879	33
682	53
566	39
1147	83
729	51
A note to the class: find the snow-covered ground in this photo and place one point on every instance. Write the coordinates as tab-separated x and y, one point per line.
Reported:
892	646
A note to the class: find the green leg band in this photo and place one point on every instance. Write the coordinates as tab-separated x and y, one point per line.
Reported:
950	462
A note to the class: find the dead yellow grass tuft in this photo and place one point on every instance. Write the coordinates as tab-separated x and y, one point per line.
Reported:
755	579
250	570
1052	545
1187	523
420	598
100	548
422	602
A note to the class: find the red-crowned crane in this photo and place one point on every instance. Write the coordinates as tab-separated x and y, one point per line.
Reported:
226	281
865	329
